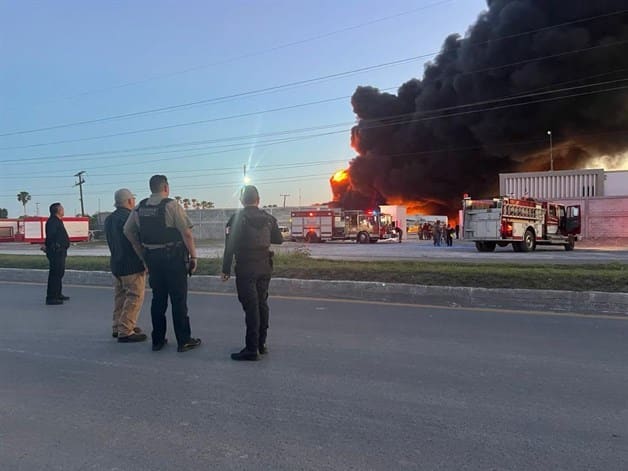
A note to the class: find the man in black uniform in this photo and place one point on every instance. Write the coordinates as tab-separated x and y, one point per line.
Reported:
56	248
249	234
161	234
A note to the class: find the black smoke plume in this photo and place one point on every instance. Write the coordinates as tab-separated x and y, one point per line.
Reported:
487	100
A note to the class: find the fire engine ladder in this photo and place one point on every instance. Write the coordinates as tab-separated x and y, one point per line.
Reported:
523	212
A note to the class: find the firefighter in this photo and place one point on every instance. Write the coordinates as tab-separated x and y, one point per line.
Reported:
248	236
161	234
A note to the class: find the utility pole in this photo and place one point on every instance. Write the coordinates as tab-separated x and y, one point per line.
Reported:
80	185
549	133
37	209
284	196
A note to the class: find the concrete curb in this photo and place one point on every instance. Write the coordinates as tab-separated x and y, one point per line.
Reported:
587	302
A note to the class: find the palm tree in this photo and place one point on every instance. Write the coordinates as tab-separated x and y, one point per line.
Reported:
24	197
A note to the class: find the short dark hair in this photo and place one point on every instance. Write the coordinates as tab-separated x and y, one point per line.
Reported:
249	195
54	208
158	183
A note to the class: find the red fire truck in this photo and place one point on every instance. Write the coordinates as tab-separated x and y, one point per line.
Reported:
325	224
522	222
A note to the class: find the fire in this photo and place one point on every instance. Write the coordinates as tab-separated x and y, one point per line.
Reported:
417	207
340	176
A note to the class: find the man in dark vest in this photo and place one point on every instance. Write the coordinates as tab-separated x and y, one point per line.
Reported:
56	248
249	234
129	273
161	233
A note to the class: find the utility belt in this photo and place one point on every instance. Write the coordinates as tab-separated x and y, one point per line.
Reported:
171	250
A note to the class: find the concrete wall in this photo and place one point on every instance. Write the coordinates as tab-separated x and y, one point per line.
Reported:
210	223
616	183
604	217
553	185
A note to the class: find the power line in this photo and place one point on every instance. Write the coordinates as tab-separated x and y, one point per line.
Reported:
222	98
413	115
328	77
265	51
445	150
488	69
197	171
235	183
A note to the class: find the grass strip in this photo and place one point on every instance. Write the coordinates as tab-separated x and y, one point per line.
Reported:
610	277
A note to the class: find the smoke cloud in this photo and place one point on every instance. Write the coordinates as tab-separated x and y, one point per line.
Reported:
486	102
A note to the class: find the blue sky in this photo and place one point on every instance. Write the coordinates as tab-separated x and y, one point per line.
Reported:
189	68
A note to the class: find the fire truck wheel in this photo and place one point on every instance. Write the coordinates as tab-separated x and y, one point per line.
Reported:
485	246
569	246
529	242
311	237
363	238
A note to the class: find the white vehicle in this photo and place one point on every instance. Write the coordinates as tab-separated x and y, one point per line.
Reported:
35	229
522	222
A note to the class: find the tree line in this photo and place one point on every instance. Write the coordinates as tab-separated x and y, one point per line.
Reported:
188	203
193	203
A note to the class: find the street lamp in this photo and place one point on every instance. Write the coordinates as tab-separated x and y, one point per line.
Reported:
549	133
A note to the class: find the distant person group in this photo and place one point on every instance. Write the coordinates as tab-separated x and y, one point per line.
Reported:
438	233
155	237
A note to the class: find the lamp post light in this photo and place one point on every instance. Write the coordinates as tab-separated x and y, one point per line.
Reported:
549	133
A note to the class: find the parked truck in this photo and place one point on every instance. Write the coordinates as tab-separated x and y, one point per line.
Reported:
522	222
326	224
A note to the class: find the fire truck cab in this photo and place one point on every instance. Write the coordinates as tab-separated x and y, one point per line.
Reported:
522	222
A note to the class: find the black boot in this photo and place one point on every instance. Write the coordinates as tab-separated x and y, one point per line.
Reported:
245	355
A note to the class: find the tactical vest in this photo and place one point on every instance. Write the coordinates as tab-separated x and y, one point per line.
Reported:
153	228
255	232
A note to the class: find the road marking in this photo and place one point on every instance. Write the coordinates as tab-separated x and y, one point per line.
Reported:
378	303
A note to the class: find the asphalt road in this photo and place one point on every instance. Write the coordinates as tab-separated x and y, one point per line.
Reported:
346	386
615	250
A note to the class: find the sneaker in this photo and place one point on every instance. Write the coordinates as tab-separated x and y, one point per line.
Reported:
189	345
132	338
54	302
136	330
159	345
263	349
245	355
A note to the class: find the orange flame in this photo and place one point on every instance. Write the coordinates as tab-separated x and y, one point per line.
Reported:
340	176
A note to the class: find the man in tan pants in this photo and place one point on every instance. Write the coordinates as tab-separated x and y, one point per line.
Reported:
128	270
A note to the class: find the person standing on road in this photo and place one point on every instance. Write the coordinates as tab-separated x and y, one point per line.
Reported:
129	272
161	233
437	234
248	236
449	236
56	248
